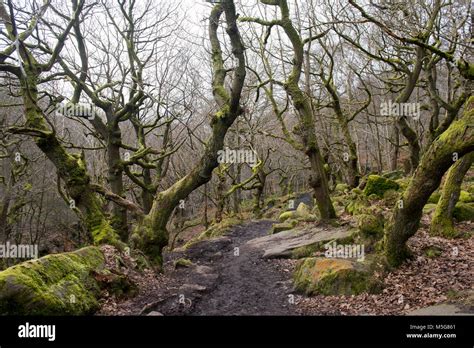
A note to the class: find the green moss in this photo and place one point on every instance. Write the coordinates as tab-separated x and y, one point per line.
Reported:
390	197
466	197
433	252
342	187
183	263
429	208
464	211
215	230
403	183
434	198
377	185
333	277
58	284
370	225
287	215
303	213
305	251
284	226
357	206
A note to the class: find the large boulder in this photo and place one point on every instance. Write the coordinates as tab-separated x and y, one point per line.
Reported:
283	244
370	225
284	226
287	215
378	185
464	211
306	198
328	276
466	197
56	284
302	213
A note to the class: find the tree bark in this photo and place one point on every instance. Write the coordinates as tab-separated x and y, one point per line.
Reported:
457	140
151	234
442	223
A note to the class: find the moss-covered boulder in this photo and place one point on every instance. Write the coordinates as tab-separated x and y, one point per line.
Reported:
464	211
182	263
284	226
302	213
341	188
403	183
57	284
303	210
466	197
391	197
287	215
356	206
378	185
328	276
370	225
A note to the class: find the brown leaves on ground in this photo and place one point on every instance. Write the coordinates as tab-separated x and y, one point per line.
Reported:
148	281
421	282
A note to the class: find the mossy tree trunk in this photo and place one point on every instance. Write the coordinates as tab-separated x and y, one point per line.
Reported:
442	223
318	179
259	198
71	167
221	198
115	175
457	141
344	117
151	235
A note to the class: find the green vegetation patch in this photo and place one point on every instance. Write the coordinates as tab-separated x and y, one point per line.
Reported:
378	185
57	284
327	276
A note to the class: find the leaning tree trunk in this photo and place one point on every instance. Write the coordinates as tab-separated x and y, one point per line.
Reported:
442	223
151	234
318	179
71	167
457	141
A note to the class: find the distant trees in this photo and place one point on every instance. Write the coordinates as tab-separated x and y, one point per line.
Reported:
151	235
306	126
308	81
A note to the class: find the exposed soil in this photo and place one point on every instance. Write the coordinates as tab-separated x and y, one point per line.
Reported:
248	284
227	278
223	280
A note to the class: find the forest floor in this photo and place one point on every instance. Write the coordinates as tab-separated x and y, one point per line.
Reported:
228	277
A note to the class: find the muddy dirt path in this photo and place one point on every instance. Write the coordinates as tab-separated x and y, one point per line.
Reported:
230	278
248	284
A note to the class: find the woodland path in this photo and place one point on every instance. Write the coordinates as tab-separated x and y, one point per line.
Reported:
229	277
